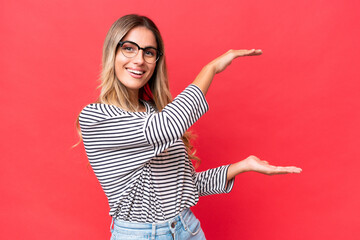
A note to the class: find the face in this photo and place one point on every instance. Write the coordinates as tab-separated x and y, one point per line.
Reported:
134	72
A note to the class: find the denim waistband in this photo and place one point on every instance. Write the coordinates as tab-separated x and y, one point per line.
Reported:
168	226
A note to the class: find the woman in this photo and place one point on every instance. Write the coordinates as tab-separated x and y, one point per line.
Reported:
136	141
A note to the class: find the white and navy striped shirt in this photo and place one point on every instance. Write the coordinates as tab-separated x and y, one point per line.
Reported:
141	161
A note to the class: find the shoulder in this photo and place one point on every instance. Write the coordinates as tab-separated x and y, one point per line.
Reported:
96	112
102	109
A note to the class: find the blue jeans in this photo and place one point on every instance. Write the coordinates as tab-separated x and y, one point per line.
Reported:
183	226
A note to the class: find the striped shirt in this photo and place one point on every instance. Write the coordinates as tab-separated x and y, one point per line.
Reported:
141	161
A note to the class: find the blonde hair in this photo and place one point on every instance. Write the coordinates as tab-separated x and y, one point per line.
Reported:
113	92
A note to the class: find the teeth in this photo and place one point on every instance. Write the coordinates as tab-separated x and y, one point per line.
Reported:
135	71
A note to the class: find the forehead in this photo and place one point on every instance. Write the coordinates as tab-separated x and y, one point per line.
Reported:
142	36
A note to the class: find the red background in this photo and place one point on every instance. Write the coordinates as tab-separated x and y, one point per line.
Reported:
297	104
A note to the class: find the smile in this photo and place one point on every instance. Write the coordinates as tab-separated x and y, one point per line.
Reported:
137	72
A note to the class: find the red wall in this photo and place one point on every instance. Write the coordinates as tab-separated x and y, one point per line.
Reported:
297	104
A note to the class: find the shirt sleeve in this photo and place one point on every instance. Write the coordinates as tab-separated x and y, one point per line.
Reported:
163	129
106	128
213	181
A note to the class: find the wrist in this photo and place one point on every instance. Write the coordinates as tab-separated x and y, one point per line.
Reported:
237	168
242	167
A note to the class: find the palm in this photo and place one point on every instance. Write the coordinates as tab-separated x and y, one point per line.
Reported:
257	165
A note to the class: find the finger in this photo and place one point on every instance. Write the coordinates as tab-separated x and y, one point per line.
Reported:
255	53
245	52
252	52
297	170
288	170
258	52
294	169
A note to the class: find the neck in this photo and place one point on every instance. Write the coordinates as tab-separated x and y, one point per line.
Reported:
134	99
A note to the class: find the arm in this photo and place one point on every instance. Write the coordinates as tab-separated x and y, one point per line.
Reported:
253	163
205	77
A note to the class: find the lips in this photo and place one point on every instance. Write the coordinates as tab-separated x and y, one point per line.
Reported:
136	72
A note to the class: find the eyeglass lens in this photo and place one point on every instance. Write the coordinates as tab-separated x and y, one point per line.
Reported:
130	50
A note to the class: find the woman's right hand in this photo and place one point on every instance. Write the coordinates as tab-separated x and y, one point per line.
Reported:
205	77
220	64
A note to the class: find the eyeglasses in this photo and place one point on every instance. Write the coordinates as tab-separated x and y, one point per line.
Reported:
130	49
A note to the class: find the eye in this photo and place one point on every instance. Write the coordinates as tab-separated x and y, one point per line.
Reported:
128	48
150	52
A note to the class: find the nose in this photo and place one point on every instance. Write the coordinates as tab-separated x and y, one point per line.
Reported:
139	58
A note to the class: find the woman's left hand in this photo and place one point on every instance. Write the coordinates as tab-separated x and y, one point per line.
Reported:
254	164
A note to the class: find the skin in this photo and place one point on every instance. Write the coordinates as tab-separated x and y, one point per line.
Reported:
145	38
123	65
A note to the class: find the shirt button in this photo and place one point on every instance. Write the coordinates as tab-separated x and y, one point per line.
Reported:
173	224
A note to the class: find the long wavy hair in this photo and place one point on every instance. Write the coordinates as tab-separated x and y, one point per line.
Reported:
113	92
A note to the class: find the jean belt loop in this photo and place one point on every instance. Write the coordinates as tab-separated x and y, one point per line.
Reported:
112	224
153	231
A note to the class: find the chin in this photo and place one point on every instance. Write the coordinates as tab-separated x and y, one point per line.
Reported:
133	86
